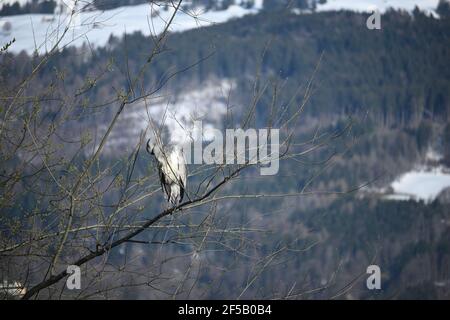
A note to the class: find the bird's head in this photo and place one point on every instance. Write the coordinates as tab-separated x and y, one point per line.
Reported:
151	146
155	149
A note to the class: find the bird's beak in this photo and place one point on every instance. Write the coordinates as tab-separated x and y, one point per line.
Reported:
148	148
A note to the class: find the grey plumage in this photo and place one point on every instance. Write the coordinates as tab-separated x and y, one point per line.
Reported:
172	170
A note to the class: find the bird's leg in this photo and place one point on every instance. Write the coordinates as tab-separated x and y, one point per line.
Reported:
173	207
169	206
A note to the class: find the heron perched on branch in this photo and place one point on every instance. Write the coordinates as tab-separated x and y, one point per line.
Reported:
171	168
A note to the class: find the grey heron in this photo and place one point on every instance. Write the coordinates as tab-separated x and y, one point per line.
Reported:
171	168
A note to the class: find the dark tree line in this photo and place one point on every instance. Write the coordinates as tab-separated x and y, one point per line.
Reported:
34	6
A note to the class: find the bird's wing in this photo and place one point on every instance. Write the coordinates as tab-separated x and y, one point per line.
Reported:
181	193
165	185
181	173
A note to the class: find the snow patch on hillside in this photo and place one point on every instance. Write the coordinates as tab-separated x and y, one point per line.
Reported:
177	113
42	31
422	183
425	182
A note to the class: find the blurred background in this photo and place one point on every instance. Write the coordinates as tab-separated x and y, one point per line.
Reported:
375	108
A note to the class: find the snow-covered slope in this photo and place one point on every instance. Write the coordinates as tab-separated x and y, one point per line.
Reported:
424	184
41	32
21	2
177	113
